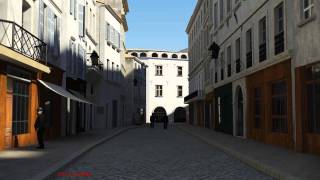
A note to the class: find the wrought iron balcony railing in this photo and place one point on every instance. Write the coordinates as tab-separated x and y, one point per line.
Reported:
17	38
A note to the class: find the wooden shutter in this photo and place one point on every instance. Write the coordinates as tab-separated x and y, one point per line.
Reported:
81	20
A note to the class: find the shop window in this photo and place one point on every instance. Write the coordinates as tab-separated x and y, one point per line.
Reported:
313	98
279	107
257	107
20	106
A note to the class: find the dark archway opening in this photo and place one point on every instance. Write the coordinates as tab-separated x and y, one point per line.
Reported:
159	114
180	115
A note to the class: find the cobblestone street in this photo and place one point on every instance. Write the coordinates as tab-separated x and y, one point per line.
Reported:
145	153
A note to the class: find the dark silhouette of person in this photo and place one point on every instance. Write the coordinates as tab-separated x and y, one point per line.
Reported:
152	119
165	122
40	127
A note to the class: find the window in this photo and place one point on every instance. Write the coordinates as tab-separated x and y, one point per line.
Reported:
158	70
112	71
71	63
308	6
222	65
238	55
158	90
221	11
108	69
180	94
179	71
257	109
279	29
20	106
279	107
143	55
134	54
154	55
229	6
41	20
263	39
164	55
249	47
81	20
174	56
108	31
215	77
183	57
216	16
229	55
313	98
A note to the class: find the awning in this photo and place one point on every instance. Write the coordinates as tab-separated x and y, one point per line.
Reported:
80	96
62	92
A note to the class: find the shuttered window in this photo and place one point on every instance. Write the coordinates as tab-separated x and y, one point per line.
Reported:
57	36
50	29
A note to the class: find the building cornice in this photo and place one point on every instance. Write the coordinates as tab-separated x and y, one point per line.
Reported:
194	15
112	12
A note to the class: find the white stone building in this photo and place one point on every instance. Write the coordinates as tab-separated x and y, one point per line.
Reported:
265	63
166	82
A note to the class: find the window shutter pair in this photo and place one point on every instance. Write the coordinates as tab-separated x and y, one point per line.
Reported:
81	61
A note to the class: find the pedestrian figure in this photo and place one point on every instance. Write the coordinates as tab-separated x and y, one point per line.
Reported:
40	128
165	122
152	118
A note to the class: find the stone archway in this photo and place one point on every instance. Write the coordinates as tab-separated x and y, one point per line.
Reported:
239	112
180	115
159	114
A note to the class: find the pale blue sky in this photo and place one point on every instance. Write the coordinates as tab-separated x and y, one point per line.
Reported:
158	24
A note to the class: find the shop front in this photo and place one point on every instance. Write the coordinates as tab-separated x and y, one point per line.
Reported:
269	105
308	108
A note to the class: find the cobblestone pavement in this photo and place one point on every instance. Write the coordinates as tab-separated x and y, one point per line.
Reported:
145	153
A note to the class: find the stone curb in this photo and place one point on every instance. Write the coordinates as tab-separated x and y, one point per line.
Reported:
243	158
56	167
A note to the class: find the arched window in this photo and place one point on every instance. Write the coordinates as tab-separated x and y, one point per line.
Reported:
164	55
134	54
143	55
174	56
184	56
154	55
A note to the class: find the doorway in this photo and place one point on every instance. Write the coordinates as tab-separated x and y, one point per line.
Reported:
239	116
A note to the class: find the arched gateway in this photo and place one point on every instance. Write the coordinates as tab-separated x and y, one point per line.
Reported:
159	114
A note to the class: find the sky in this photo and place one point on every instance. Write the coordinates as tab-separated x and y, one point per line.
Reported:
158	24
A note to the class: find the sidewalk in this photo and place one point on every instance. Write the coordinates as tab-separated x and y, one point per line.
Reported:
275	161
31	163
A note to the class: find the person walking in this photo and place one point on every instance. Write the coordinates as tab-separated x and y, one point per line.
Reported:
152	118
40	127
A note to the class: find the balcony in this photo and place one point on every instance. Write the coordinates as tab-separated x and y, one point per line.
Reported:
16	38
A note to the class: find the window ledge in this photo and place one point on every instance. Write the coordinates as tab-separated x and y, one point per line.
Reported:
306	21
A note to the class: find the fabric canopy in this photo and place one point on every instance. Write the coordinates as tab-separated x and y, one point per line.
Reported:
63	92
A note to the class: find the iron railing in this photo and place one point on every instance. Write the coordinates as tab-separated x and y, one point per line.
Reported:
17	38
